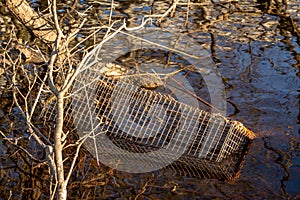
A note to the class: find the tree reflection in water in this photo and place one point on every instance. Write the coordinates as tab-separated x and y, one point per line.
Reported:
255	45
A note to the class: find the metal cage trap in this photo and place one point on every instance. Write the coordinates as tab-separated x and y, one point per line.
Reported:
129	116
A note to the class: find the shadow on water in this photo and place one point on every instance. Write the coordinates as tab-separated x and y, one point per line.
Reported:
255	45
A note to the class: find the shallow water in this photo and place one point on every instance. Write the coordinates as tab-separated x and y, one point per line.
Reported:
257	55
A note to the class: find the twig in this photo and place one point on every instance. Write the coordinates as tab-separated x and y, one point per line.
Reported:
74	33
80	68
111	10
143	188
75	158
56	22
156	44
52	168
187	13
86	38
25	115
14	142
37	97
171	9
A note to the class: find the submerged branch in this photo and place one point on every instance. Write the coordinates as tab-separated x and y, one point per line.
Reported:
32	20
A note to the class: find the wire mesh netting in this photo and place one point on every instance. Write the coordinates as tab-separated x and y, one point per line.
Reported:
129	116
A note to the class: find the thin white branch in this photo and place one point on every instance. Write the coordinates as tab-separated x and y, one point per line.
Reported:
111	11
171	9
56	22
38	96
74	159
14	142
86	38
24	114
74	33
78	70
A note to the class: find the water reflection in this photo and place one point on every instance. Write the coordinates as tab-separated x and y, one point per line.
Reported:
256	47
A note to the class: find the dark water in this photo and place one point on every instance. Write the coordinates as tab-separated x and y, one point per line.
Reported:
255	46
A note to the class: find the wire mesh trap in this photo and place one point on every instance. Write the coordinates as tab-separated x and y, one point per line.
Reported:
138	121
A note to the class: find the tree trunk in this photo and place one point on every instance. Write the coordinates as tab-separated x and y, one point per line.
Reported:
48	34
62	186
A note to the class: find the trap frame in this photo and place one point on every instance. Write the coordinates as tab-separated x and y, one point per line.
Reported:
139	120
